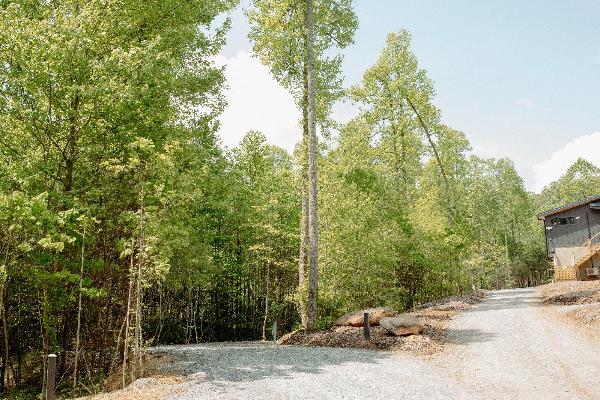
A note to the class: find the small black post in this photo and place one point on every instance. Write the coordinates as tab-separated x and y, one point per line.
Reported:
274	331
51	377
366	327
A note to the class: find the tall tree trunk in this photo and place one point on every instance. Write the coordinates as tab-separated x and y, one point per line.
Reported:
160	315
78	332
45	335
70	148
127	313
303	259
507	276
17	339
5	358
313	261
266	317
138	303
188	314
5	381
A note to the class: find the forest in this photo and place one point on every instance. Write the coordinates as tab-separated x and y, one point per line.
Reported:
125	223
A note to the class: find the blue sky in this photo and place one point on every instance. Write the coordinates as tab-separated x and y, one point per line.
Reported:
520	78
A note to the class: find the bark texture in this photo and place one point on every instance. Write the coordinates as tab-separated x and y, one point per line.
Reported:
303	258
313	270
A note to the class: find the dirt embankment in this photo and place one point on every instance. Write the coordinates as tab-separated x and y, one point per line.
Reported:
159	382
578	303
435	317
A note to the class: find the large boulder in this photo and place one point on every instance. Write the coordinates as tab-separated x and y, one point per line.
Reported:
402	325
356	318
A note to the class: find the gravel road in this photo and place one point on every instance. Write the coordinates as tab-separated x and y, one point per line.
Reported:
507	347
510	347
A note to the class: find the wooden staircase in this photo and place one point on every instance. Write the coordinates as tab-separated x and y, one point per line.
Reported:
594	251
572	272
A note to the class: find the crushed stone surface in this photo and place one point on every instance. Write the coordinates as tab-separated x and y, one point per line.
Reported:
509	347
506	347
267	371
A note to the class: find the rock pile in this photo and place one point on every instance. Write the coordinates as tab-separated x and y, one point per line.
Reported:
394	324
402	325
429	322
356	318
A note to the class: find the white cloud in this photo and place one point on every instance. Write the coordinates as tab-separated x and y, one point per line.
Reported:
256	102
555	166
525	102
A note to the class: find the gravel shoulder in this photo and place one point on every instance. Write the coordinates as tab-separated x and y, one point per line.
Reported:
575	303
506	347
512	348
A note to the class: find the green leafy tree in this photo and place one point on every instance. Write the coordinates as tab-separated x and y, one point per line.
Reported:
102	103
293	38
581	180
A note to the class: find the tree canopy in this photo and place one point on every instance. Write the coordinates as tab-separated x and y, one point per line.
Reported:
124	223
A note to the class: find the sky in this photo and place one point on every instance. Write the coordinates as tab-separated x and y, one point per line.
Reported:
520	78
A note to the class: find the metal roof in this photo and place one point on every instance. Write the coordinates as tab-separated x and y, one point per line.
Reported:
542	216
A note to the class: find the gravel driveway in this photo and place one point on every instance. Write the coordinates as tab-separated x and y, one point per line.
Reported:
507	347
511	347
256	371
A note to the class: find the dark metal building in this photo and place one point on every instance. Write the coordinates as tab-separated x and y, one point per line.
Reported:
573	238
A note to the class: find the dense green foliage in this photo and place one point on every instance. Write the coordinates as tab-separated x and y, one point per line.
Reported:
297	41
581	180
123	223
394	231
107	148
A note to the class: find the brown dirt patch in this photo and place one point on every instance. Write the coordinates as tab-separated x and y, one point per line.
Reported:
577	303
159	387
572	292
158	382
434	316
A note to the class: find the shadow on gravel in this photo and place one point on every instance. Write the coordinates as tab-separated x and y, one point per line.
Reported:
507	299
242	362
466	336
